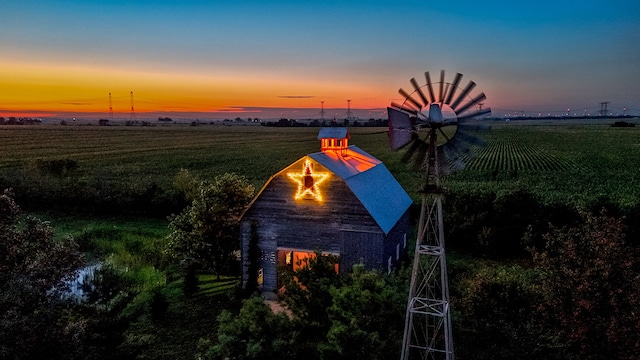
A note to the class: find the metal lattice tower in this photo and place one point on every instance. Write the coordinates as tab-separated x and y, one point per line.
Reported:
133	113
604	111
349	113
427	328
110	107
322	112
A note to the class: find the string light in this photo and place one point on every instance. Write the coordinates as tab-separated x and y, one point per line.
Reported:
308	182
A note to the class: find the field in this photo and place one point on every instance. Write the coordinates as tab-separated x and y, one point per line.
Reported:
574	163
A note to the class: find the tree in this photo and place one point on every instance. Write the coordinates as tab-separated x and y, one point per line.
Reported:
207	229
255	333
366	317
592	283
308	290
32	266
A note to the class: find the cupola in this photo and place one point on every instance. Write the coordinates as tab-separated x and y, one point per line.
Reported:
335	139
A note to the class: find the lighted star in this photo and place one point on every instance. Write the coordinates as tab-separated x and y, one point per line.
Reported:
308	182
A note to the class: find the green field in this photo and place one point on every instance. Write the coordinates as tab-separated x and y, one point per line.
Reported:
576	163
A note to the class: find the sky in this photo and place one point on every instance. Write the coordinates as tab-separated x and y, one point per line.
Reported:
269	59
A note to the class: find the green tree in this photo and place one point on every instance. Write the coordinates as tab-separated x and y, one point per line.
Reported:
308	291
366	317
32	266
255	333
592	283
207	229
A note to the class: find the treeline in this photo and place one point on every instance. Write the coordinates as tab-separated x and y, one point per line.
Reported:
12	120
61	184
502	225
326	123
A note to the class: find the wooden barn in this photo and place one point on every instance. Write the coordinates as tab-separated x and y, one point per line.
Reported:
339	201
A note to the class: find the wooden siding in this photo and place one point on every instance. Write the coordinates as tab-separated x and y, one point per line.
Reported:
339	224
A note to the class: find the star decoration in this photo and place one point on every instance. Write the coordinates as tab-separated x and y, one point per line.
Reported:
308	182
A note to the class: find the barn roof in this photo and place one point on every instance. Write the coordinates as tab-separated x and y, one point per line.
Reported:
371	182
332	133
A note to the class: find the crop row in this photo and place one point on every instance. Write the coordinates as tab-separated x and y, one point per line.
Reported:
509	156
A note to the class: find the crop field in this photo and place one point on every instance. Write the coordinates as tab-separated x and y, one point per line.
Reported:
560	163
574	163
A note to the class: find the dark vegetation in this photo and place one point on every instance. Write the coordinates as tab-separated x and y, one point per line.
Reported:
542	230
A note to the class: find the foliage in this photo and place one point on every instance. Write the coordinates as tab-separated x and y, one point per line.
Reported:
207	229
366	317
354	316
592	283
495	311
255	333
32	266
308	291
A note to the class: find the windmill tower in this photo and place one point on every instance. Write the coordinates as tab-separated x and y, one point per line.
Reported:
433	125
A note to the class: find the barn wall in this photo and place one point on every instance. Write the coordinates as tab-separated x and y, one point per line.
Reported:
339	224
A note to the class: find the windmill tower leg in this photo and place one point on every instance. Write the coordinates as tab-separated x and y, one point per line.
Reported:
427	333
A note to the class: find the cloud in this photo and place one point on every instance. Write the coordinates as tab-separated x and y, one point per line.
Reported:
296	96
77	103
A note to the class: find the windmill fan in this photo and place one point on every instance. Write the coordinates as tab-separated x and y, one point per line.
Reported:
435	120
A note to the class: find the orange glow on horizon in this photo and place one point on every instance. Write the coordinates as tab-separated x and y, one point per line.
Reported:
29	88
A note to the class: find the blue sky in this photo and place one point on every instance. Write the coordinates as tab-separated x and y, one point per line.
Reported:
214	56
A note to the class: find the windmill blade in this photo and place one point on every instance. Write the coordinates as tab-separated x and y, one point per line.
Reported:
414	150
401	128
440	96
413	101
443	164
471	103
432	97
453	160
406	109
474	114
453	87
462	95
419	90
469	138
420	154
473	127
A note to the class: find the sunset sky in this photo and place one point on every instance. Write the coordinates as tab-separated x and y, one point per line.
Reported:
282	58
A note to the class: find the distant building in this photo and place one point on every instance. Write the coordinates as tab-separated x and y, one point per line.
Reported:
339	201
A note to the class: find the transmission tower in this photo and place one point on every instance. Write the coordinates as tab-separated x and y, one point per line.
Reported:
349	113
133	113
322	112
110	107
603	108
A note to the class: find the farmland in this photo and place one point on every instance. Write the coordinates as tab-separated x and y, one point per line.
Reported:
576	163
111	188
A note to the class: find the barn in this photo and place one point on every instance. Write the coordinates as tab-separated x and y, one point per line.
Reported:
340	201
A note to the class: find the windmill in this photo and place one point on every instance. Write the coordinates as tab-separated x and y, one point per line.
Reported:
434	122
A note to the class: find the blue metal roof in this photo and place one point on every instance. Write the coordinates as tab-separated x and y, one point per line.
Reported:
333	133
371	182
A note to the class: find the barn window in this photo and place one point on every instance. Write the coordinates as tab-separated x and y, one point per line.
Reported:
397	251
389	265
405	240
